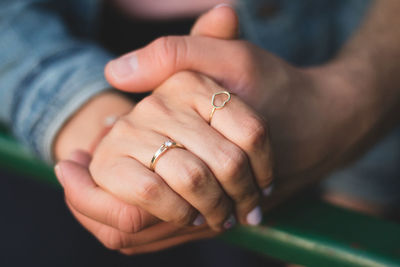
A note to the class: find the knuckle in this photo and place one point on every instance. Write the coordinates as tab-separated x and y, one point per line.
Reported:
247	194
122	127
194	176
167	51
253	200
220	209
151	104
255	133
148	191
199	83
218	203
268	178
234	164
130	219
185	216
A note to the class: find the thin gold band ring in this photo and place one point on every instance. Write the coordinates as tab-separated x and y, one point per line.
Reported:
164	147
215	106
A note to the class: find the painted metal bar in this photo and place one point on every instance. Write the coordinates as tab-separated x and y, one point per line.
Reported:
305	231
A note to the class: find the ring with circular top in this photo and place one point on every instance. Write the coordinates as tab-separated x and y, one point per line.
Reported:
215	106
164	147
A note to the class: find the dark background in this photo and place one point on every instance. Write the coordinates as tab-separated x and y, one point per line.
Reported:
38	230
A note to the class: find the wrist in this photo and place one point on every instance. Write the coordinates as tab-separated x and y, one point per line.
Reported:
356	104
83	130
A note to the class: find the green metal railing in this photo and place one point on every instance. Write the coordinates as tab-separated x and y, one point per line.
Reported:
306	231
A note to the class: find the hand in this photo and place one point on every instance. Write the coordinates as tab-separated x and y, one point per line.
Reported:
309	110
228	160
115	224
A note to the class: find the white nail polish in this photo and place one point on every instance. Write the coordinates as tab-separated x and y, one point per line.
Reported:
110	120
268	191
230	222
199	220
124	66
255	216
223	5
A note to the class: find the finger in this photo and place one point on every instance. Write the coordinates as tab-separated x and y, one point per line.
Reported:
135	184
226	160
240	124
184	173
147	68
170	242
220	22
235	122
116	240
89	199
81	157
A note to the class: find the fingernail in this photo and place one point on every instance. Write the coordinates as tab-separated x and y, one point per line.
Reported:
230	222
110	120
59	175
268	191
199	220
255	216
223	5
124	66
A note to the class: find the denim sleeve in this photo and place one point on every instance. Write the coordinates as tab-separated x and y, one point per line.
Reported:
46	73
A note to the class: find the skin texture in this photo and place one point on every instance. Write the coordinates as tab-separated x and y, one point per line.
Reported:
115	223
221	162
319	117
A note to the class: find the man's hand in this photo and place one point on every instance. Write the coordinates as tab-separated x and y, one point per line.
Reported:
303	123
318	117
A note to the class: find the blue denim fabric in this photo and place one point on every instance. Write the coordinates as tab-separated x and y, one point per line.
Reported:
49	66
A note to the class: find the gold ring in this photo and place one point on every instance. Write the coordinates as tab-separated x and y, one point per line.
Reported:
164	147
215	107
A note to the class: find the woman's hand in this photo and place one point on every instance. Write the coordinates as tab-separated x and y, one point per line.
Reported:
227	161
117	225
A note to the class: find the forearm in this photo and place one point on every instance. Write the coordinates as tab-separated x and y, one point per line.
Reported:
87	126
357	95
371	62
366	73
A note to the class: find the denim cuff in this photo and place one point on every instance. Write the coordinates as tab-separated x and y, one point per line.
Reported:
70	107
67	81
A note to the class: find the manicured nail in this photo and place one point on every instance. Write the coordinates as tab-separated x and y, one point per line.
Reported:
255	216
124	66
223	5
268	191
199	220
59	175
110	120
230	222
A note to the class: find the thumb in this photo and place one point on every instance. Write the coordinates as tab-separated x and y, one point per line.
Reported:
145	69
93	202
220	22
